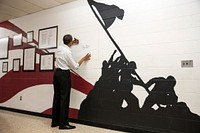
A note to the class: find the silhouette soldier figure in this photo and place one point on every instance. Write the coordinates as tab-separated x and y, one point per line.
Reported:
162	93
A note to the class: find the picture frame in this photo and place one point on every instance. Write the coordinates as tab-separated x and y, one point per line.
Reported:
47	62
4	47
16	64
48	37
4	67
29	59
17	40
30	36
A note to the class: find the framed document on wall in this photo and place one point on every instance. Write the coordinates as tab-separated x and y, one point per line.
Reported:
4	48
30	36
48	37
47	62
17	40
5	67
29	59
16	65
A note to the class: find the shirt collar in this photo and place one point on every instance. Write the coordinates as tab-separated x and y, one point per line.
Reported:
67	47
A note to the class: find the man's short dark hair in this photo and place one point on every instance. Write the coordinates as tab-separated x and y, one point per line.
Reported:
67	39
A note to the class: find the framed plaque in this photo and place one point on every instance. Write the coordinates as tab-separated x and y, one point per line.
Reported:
29	59
48	37
47	62
16	65
5	67
30	36
17	40
4	48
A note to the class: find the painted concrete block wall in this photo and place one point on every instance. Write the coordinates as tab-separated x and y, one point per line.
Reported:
156	35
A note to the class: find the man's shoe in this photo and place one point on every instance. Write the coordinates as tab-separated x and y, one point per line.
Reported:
72	126
54	125
67	127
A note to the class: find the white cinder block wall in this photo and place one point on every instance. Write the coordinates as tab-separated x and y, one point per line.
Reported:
156	34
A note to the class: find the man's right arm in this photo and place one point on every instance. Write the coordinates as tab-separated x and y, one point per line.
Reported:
85	58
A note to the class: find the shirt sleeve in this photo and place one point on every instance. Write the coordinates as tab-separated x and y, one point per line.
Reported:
71	62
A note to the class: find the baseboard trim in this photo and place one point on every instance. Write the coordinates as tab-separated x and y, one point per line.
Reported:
100	125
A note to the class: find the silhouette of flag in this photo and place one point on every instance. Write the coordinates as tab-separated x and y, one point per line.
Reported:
108	13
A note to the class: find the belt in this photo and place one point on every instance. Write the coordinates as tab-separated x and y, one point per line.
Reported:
58	69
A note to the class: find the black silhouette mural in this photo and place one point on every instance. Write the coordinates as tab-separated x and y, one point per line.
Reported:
104	102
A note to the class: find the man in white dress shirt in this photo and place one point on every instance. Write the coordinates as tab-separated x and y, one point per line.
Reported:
62	82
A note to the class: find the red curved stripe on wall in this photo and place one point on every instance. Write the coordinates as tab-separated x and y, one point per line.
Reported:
14	82
80	84
10	26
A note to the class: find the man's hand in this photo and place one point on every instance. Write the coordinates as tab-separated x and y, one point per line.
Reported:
87	57
75	41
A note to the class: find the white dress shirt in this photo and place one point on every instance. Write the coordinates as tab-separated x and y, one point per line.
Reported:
64	58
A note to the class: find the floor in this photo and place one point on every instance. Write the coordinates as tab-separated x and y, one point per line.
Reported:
11	122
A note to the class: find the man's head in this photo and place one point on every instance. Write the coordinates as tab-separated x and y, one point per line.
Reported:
171	80
67	39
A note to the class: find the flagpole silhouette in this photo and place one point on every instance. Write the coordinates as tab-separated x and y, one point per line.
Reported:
108	22
118	48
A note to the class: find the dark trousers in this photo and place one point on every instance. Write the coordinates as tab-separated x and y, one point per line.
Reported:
61	99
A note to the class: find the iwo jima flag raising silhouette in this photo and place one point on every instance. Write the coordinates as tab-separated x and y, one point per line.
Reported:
105	102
